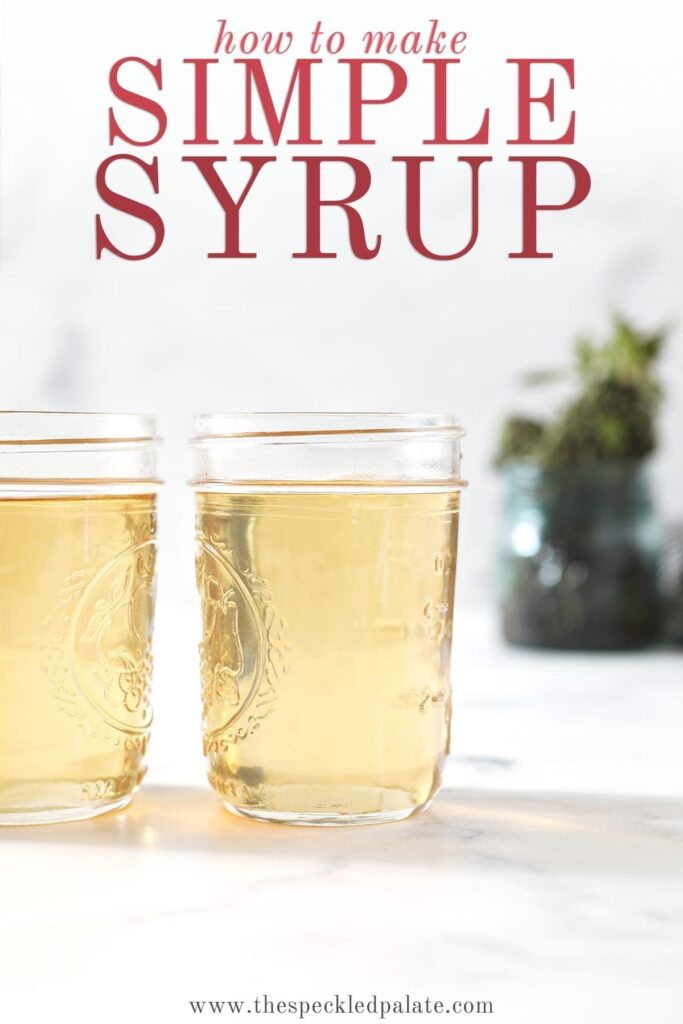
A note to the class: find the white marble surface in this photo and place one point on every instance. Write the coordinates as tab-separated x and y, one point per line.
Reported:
546	878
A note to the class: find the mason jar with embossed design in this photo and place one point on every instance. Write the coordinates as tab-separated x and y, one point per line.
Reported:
77	559
326	555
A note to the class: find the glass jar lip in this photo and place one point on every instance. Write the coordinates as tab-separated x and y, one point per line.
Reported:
43	427
288	427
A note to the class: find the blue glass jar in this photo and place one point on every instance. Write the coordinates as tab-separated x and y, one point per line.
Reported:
579	557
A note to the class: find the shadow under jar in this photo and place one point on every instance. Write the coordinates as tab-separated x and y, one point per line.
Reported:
326	556
77	570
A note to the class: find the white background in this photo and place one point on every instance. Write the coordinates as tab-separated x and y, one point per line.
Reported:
545	877
179	334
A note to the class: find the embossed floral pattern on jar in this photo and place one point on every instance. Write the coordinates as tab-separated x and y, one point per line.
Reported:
326	551
77	575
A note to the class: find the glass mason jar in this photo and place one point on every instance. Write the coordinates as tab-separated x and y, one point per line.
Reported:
77	556
578	557
326	550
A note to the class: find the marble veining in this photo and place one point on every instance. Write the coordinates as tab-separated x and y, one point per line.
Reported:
533	881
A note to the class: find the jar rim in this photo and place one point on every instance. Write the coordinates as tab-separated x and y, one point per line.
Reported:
41	427
327	450
320	426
